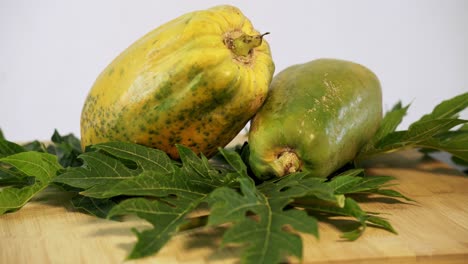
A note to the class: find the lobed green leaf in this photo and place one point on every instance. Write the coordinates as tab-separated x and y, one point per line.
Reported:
263	233
432	131
42	166
97	207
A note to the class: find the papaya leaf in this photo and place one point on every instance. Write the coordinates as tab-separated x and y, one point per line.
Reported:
388	125
42	166
418	132
177	194
67	148
158	190
263	235
36	145
447	109
354	181
460	162
97	207
356	184
352	209
8	148
390	193
426	134
460	137
9	175
298	185
235	161
431	131
454	142
104	167
98	169
166	215
458	146
144	157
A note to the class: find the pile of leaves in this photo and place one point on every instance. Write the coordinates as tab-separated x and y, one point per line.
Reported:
116	178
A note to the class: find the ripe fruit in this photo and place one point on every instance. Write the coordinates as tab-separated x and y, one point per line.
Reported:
195	81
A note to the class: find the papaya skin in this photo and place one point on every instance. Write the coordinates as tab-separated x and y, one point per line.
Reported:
316	118
182	83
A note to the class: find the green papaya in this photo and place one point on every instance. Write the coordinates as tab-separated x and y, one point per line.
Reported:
316	118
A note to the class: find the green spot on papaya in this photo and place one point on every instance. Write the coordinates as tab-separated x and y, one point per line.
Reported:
194	71
172	140
181	117
164	106
164	90
111	71
122	72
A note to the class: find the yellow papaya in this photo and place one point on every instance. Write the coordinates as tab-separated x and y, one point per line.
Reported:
196	81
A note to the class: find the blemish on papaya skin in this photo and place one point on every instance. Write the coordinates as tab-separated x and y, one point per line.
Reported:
111	71
153	118
181	117
164	90
194	71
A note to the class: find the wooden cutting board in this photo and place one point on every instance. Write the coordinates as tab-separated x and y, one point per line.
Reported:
434	230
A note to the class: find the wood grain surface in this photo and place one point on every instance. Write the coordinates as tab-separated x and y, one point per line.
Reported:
433	230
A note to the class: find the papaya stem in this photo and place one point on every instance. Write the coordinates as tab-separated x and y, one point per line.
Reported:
243	45
286	163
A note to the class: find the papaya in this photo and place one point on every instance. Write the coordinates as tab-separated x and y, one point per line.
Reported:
195	80
315	119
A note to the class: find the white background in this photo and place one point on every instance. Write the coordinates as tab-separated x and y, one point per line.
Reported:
52	51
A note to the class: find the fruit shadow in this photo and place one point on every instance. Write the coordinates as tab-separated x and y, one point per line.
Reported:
55	197
201	238
368	198
210	238
121	228
343	224
435	163
339	223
